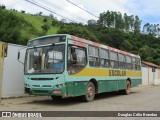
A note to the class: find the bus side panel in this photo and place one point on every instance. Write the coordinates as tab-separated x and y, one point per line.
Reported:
70	88
79	88
121	84
107	86
115	85
76	88
135	82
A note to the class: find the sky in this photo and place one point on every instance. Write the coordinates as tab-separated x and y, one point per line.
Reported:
147	10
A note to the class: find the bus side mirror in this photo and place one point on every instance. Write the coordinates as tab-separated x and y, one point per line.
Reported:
19	55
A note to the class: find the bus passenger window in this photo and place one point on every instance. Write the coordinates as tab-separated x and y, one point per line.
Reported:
114	60
94	56
122	61
104	54
77	59
138	64
129	62
134	63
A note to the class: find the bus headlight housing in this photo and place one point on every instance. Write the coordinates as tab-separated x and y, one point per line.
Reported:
61	85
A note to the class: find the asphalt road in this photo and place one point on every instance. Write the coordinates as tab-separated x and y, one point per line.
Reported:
142	98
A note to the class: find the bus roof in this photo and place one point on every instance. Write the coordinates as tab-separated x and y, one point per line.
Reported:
82	40
102	46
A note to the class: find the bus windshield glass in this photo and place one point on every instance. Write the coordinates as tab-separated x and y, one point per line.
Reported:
46	40
48	59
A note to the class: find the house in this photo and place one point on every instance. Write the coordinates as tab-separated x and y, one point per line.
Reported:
150	74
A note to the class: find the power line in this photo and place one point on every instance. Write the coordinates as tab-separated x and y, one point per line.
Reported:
50	10
119	3
46	5
60	9
25	5
82	8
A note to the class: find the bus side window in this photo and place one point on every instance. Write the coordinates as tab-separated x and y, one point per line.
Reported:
138	64
114	59
94	60
134	63
129	62
104	55
77	59
122	61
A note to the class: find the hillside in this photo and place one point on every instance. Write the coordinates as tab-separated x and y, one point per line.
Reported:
122	31
16	27
38	21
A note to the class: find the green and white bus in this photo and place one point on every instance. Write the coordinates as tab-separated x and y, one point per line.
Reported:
64	65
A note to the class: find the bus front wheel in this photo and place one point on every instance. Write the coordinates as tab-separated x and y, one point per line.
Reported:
90	92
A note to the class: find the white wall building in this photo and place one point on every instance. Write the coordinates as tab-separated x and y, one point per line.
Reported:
12	78
150	74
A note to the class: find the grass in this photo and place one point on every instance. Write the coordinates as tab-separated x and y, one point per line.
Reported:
37	22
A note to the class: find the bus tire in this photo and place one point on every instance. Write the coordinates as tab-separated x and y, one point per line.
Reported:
90	93
128	88
56	97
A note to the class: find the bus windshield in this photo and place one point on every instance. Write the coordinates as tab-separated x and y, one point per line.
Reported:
48	59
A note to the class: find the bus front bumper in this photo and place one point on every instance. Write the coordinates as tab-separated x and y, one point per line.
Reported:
58	90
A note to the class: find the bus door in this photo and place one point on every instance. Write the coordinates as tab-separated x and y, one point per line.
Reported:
77	61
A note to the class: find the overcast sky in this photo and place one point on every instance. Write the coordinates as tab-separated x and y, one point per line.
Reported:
147	10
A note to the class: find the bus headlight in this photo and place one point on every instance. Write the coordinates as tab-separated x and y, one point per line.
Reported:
61	85
26	85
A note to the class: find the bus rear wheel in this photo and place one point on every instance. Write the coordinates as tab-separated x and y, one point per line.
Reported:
128	88
90	93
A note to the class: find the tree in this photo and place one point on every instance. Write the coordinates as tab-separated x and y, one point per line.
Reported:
22	11
12	28
127	45
91	22
54	22
45	20
144	52
51	15
137	24
126	22
78	31
116	39
153	29
63	20
39	14
116	20
3	7
45	27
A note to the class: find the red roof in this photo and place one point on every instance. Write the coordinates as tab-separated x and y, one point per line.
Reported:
150	64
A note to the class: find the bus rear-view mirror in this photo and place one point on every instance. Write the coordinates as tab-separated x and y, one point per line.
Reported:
18	56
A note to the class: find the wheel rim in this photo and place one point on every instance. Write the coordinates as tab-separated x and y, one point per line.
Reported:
90	92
